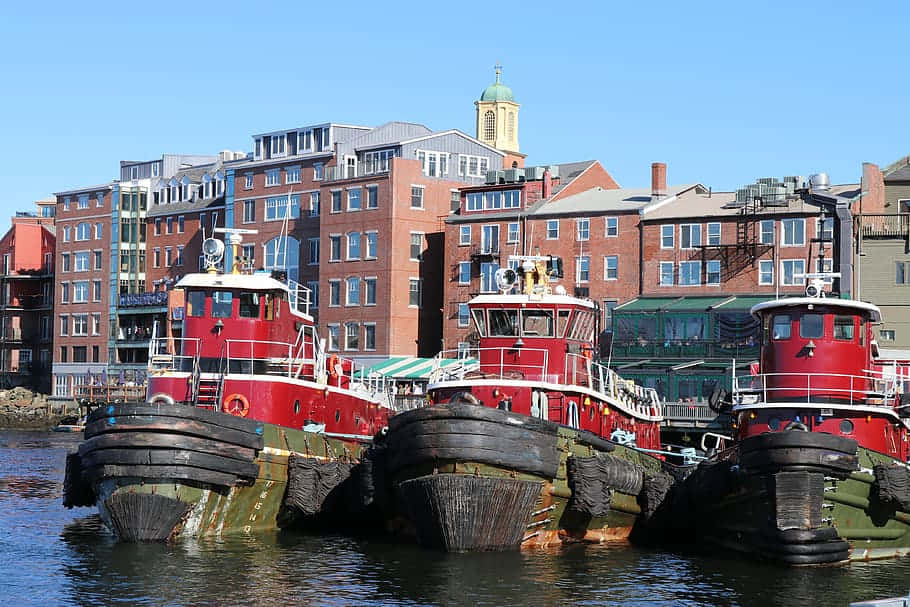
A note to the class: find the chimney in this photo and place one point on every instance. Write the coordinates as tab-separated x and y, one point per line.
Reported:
547	189
658	180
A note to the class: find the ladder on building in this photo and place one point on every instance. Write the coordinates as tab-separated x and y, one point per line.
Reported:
746	227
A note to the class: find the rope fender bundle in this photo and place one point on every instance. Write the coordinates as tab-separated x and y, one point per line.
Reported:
593	479
892	485
654	492
310	481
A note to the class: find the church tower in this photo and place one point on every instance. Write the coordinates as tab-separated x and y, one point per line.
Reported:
497	117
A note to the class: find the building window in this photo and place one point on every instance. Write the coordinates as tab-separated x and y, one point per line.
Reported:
369	291
415	292
487	277
512	233
334	293
689	273
156	257
583	229
354	245
433	164
712	270
84	231
353	292
99	231
279	207
66	233
372	240
552	229
248	181
612	228
825	266
314	204
168	256
767	231
689	235
464	272
886	334
249	211
464	315
416	197
81	260
80	291
824	227
793	272
179	261
180	224
96	290
902	273
82	201
351	335
283	253
464	235
793	232
713	234
313	286
377	162
314	251
611	267
80	325
333	337
272	177
489	125
416	246
64	262
666	237
354	199
766	272
582	268
511	199
277	145
372	197
335	247
336	201
317	171
292	175
170	225
157	226
666	273
64	292
473	201
64	325
369	336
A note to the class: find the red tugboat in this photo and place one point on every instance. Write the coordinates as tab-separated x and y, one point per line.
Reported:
248	424
531	443
818	472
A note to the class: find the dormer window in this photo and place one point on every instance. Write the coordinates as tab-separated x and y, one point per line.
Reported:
257	149
278	148
205	191
184	189
304	142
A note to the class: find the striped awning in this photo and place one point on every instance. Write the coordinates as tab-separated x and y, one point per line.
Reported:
407	367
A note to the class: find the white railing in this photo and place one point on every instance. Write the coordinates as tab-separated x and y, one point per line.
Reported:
299	297
173	354
813	388
502	368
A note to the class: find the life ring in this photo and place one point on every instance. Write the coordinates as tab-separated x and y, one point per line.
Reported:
161	399
333	366
236	404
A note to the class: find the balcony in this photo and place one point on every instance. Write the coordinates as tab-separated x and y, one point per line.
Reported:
683	348
340	173
488	250
895	225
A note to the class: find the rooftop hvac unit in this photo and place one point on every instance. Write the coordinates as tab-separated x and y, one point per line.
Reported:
554	171
743	195
492	176
534	173
512	175
766	180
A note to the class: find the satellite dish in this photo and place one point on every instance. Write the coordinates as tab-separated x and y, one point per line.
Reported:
213	249
505	278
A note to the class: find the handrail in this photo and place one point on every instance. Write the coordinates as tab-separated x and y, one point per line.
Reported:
861	388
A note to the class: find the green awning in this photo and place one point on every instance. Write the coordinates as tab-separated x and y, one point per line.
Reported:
407	367
645	304
744	302
660	304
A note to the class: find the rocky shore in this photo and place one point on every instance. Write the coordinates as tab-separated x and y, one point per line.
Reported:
23	409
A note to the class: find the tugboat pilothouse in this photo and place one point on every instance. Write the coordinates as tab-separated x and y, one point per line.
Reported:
529	442
818	471
248	424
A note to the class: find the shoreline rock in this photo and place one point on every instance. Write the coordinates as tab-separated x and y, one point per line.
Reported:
21	409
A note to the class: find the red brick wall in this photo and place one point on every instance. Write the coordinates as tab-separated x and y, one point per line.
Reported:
594	176
873	201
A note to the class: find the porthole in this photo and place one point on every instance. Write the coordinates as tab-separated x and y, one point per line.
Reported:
774	423
337	415
296	407
846	426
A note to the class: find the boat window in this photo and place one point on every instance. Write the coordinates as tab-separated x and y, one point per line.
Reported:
195	303
221	304
582	326
843	328
269	306
480	320
562	321
249	305
811	325
862	331
537	323
781	326
503	323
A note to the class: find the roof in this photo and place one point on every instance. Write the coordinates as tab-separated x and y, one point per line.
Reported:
528	300
390	133
899	174
169	208
598	200
258	282
698	202
497	92
406	367
94	188
874	313
676	304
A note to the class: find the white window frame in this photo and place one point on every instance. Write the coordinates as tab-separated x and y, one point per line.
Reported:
369	328
418	188
794	281
689	227
550	224
292	175
349	282
351	238
461	272
582	229
714	239
367	281
412	281
761	231
247	181
272	178
607	259
667	231
578	269
660	278
607	221
708	265
463	320
464	236
765	267
688	264
372	242
795	221
513	236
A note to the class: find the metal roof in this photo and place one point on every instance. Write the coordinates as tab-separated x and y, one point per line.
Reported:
874	313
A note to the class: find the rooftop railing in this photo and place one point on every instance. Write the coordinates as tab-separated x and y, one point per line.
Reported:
892	225
814	388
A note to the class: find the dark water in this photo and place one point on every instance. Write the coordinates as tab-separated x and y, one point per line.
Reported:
53	556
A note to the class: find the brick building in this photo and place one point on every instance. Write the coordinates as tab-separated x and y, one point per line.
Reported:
26	299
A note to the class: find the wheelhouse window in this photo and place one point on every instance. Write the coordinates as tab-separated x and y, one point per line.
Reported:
249	305
811	325
781	327
843	328
503	323
195	304
480	321
562	321
221	304
537	323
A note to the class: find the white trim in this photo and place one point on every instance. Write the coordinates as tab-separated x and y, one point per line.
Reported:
450	132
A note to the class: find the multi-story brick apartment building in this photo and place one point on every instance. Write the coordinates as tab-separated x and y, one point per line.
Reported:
575	211
83	276
26	299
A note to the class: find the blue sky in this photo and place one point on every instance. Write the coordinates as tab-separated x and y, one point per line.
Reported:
721	92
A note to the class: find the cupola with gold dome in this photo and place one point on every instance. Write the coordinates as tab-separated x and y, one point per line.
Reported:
497	116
